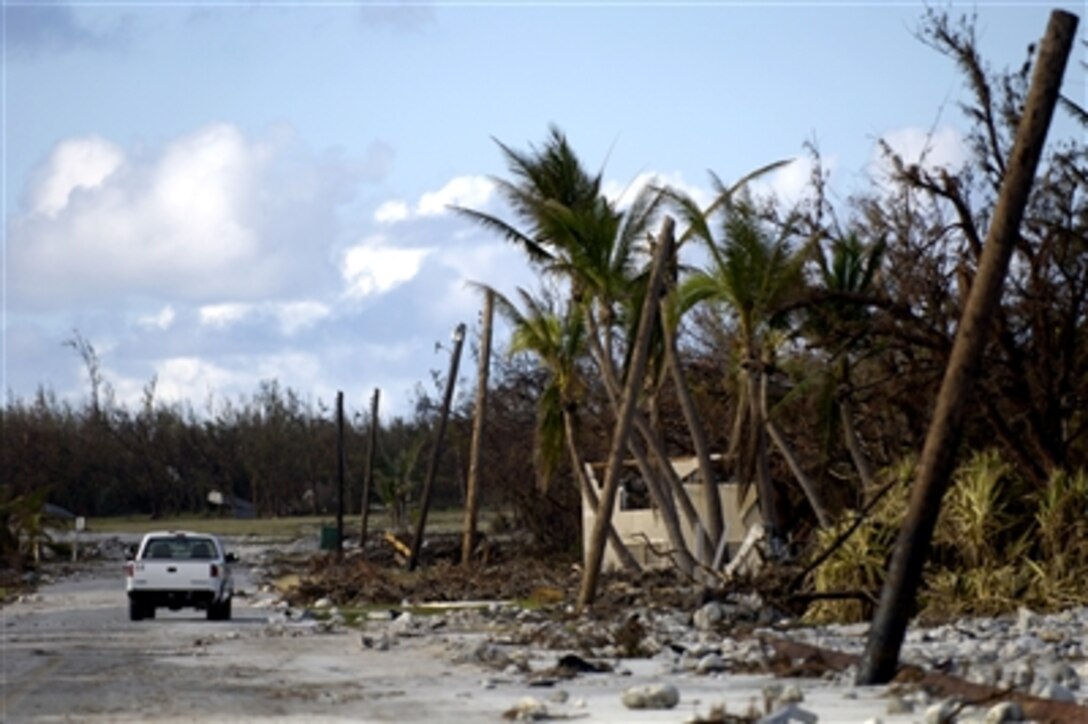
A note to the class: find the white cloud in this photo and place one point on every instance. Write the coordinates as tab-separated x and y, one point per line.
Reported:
294	316
468	191
80	163
163	320
391	212
791	182
373	267
223	315
210	215
191	379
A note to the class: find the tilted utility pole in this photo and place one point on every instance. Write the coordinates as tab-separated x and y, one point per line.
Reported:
472	494
436	452
368	473
935	467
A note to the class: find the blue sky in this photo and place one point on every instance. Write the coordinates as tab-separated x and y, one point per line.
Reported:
219	193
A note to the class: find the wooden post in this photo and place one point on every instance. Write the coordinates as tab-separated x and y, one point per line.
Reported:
340	474
628	405
472	494
436	452
938	454
368	473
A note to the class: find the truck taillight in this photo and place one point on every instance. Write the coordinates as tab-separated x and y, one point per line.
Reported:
130	569
214	571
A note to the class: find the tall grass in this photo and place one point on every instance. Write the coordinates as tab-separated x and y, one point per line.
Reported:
998	545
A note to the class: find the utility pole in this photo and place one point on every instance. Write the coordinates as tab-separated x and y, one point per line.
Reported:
368	473
936	464
340	474
472	494
436	452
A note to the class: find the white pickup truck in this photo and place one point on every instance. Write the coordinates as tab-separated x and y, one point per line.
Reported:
179	569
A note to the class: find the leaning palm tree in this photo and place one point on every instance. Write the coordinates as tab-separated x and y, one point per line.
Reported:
752	273
557	340
576	234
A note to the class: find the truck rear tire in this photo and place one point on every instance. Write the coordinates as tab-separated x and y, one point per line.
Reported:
219	610
137	610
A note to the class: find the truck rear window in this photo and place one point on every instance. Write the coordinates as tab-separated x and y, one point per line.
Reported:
183	548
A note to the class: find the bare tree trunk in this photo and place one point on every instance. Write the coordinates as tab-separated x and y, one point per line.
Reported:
368	474
660	456
468	542
822	516
715	519
627	560
588	591
768	496
853	446
938	458
666	504
436	451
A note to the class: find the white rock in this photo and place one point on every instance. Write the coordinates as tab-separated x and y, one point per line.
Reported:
709	664
1004	713
1055	691
404	625
790	714
941	713
322	603
530	709
898	705
651	696
1062	673
1020	675
1026	619
709	616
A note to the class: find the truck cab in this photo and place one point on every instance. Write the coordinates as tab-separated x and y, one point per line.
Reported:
179	569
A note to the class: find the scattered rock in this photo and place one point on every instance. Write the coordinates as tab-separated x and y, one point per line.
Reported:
790	714
1004	713
710	664
898	705
651	696
709	616
1054	690
528	709
943	712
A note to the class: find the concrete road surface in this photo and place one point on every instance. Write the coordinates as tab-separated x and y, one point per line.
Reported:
69	653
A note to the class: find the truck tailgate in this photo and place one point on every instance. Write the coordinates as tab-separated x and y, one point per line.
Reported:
167	575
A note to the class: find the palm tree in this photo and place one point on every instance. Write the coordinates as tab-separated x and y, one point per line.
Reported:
839	321
752	275
557	339
574	233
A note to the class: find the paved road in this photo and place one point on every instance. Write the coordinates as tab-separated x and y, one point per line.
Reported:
71	654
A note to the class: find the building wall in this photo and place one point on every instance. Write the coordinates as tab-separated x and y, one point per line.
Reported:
643	530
